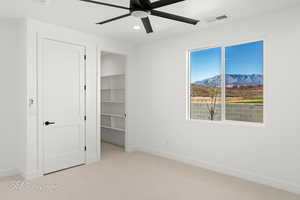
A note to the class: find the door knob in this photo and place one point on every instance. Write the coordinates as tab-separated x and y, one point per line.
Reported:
47	123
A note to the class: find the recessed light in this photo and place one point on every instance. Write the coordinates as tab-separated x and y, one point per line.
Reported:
136	27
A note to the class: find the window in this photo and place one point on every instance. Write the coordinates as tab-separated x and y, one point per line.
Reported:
226	83
205	68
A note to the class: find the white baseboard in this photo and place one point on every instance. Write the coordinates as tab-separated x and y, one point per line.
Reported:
8	172
282	185
30	176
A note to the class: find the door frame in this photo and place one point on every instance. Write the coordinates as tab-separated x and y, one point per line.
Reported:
99	52
40	123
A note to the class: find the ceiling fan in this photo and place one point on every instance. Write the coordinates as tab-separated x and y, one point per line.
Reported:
143	8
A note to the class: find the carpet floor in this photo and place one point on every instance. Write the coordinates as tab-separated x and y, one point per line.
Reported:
137	176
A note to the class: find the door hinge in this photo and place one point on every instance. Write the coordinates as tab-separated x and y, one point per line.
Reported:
85	148
85	118
84	57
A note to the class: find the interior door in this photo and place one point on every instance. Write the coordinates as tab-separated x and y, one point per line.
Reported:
62	104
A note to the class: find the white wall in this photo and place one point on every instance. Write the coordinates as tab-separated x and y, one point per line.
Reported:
12	96
112	64
157	104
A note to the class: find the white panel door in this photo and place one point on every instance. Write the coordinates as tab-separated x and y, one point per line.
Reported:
62	104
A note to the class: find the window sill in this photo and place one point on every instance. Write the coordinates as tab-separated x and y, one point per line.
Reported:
231	123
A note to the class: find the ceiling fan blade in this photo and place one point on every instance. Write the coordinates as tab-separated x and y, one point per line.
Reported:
174	17
113	19
106	4
147	24
161	3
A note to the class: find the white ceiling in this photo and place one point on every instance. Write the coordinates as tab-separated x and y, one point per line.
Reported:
83	16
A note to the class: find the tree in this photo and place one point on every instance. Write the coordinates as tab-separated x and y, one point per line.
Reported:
211	106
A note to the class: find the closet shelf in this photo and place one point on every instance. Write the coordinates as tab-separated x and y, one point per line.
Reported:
112	75
108	89
117	102
112	128
113	115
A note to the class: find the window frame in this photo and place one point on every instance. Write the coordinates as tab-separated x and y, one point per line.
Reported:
223	91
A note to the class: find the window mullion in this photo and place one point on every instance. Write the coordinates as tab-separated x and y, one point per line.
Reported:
223	77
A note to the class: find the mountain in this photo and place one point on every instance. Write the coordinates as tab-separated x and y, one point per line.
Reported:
233	80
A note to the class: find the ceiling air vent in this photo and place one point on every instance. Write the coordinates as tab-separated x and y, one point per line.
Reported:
214	19
221	17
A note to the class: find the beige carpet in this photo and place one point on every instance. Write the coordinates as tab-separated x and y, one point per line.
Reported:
137	176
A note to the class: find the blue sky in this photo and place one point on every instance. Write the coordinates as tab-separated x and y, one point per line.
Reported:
240	59
205	64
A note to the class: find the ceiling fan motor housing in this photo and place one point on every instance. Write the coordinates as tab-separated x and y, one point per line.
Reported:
140	5
140	8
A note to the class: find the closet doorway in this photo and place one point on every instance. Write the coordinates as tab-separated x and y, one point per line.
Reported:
113	102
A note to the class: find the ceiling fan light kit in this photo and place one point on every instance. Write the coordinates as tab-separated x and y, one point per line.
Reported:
140	14
143	8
